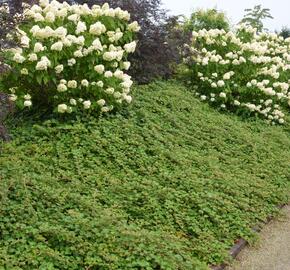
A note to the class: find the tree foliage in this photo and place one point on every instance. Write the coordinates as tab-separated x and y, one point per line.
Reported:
255	17
285	32
207	19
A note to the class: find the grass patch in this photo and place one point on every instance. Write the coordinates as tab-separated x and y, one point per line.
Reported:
168	184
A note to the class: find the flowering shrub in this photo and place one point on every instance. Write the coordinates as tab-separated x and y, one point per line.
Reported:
242	71
72	58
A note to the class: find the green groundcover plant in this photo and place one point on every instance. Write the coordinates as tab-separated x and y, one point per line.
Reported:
242	71
168	184
72	58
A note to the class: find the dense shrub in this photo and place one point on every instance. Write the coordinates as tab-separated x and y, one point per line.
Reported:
72	58
156	51
207	19
242	71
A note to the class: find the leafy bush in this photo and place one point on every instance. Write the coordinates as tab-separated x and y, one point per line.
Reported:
207	19
72	58
156	51
242	71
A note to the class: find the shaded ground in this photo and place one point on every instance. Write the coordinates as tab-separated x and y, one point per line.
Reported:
273	250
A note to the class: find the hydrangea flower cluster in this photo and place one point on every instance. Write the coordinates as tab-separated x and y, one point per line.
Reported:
242	71
72	58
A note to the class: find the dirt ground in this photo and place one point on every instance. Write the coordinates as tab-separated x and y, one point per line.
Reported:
272	252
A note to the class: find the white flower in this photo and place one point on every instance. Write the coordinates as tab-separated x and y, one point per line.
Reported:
281	121
57	46
97	45
100	69
78	54
50	17
220	83
71	62
85	83
81	27
108	74
110	90
58	69
128	99
126	65
97	29
60	32
130	47
27	97
32	57
25	41
223	95
62	108
134	27
38	47
100	84
24	71
101	102
202	97
72	84
87	104
223	106
73	102
18	58
61	87
38	17
73	17
43	64
27	103
43	3
105	109
237	103
63	81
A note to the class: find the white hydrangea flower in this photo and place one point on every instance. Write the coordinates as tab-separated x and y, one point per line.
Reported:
25	41
18	58
101	102
85	83
62	108
61	88
71	62
57	46
32	57
87	104
24	71
81	27
99	69
130	47
134	26
73	102
38	47
97	28
58	69
27	103
72	84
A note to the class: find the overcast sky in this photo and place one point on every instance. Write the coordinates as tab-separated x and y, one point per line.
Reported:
280	9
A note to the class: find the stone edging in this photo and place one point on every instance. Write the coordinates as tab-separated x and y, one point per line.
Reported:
242	243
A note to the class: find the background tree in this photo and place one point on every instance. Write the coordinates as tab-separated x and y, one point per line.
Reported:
285	32
255	17
207	19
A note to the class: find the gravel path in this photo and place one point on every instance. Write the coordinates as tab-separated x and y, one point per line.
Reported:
273	250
